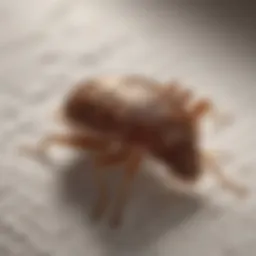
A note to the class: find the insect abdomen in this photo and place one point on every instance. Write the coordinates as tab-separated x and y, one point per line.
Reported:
95	106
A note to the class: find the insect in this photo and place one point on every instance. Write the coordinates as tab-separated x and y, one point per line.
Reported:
127	118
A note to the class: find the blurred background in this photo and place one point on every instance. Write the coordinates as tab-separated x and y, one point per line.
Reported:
46	46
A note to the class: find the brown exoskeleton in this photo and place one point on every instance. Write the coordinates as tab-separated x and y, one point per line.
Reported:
145	118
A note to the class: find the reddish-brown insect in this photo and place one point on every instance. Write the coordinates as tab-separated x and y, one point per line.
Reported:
143	117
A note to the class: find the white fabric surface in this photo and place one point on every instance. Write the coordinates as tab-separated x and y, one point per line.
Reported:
46	46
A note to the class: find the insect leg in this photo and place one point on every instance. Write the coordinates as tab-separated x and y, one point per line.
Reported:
76	141
210	161
103	160
205	106
103	198
132	166
201	108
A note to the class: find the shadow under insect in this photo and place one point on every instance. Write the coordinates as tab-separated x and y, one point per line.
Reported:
151	212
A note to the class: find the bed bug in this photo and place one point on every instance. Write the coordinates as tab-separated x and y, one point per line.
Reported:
144	117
